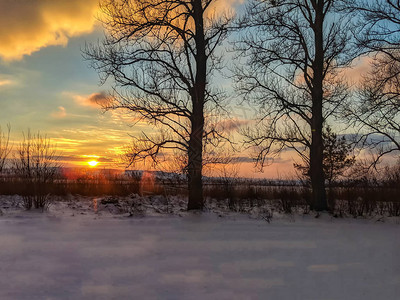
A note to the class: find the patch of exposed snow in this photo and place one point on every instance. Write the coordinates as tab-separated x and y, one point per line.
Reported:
84	248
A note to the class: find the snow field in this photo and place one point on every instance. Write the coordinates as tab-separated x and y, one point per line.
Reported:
197	256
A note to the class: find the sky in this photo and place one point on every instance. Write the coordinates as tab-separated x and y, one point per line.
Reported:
47	86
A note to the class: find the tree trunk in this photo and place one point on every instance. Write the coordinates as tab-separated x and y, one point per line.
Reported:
195	166
195	155
316	167
316	152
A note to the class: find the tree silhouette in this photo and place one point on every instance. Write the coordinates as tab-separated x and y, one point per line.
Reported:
377	111
337	159
5	147
292	52
160	56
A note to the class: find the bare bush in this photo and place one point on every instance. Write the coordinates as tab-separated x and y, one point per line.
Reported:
36	165
5	147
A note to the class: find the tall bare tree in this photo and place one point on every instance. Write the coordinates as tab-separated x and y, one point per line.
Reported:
292	52
377	111
160	56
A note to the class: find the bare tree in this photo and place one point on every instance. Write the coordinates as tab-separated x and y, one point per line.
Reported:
293	51
377	111
160	56
36	164
5	147
378	25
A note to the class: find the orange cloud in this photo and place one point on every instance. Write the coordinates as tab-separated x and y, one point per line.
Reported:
230	125
6	80
351	75
220	7
26	26
60	113
360	67
95	100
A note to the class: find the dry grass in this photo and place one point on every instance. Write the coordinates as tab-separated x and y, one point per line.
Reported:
365	198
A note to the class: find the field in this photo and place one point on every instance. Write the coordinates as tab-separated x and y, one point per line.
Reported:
94	248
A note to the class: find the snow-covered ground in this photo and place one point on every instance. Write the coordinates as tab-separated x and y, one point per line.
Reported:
84	250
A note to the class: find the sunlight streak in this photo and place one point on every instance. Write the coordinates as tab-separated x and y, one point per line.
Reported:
93	163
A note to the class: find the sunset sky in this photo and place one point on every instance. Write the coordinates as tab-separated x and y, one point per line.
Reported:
46	85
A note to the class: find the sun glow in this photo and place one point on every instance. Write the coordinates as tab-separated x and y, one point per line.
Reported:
93	163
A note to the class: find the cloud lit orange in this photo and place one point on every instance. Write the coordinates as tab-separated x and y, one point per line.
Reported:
27	26
223	7
60	113
95	100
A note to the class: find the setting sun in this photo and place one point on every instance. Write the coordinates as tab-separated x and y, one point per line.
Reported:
93	163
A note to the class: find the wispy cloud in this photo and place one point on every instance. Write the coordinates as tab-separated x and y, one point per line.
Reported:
90	140
84	158
352	74
360	66
60	113
7	80
232	124
95	100
4	82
